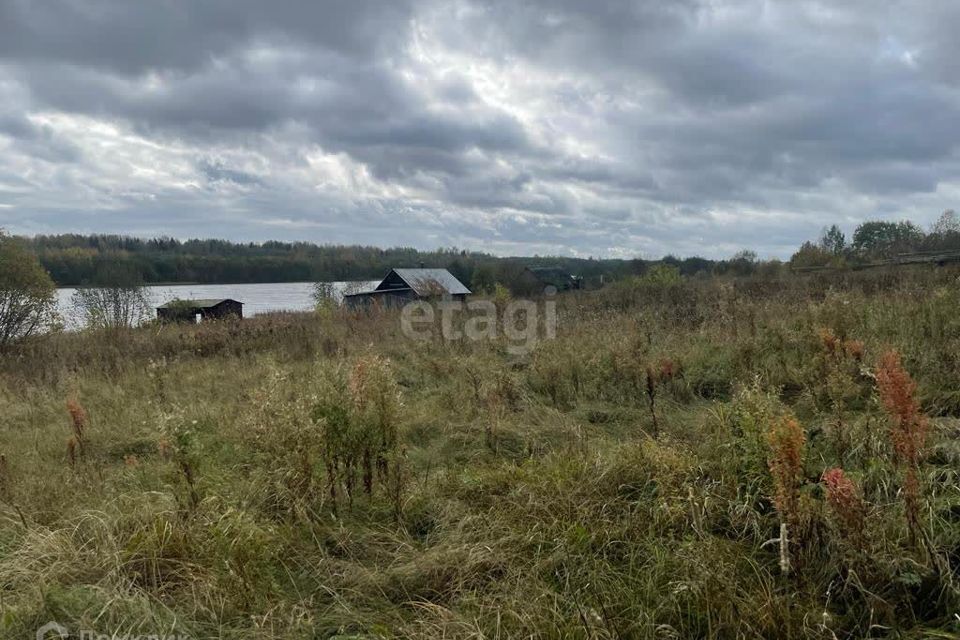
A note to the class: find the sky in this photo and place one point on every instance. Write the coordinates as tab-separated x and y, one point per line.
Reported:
516	127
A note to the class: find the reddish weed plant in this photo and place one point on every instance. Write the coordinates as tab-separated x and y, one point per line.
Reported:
846	505
908	432
786	439
661	372
78	427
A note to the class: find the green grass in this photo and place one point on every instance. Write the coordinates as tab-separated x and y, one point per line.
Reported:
535	499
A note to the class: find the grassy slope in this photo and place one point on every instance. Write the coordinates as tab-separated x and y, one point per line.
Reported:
535	500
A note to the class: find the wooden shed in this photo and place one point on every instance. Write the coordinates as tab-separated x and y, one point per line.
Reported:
192	310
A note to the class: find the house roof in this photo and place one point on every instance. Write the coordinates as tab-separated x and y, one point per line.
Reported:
426	281
203	303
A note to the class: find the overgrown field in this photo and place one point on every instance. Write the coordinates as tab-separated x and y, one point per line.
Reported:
718	458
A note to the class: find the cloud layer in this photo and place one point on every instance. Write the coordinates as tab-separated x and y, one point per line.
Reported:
601	128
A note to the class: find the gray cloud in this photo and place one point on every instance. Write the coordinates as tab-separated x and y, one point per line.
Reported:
611	127
132	38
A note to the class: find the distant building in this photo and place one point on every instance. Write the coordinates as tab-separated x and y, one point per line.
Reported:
536	279
403	285
191	310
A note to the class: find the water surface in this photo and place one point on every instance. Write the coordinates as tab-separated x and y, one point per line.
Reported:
256	298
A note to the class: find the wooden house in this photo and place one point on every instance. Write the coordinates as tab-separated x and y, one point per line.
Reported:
404	285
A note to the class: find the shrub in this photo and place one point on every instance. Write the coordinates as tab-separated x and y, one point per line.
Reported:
27	294
838	374
360	420
115	299
846	505
325	297
662	274
754	410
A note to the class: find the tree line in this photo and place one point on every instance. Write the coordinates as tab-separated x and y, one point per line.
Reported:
79	260
878	240
89	260
92	260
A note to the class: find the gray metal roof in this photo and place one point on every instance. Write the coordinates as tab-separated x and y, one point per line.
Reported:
426	281
203	303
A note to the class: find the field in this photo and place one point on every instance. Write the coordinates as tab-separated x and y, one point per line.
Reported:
707	458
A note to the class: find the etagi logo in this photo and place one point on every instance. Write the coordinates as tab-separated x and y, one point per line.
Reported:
56	631
52	630
522	322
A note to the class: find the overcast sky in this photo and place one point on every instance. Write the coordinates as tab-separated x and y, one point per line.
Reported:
693	127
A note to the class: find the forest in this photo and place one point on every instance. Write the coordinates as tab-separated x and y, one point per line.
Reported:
77	260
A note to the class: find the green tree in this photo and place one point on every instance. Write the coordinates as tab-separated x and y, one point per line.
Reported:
810	255
744	262
27	294
662	274
484	278
883	238
833	241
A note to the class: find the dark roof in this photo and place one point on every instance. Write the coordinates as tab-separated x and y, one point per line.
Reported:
426	281
203	303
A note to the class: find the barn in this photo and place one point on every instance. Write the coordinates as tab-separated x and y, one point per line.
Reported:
404	285
190	310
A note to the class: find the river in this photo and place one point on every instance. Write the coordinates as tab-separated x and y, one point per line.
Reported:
256	298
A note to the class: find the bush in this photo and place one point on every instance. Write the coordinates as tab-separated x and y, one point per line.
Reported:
27	294
117	299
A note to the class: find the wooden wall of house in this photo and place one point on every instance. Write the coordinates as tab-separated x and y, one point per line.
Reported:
226	309
392	281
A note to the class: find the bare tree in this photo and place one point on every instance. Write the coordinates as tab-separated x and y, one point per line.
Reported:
324	296
947	223
116	299
27	294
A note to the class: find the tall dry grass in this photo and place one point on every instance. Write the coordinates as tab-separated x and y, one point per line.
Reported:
321	475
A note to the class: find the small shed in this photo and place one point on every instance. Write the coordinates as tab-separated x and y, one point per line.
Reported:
539	278
191	310
403	285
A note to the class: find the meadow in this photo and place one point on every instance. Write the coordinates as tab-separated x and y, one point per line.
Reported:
753	457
